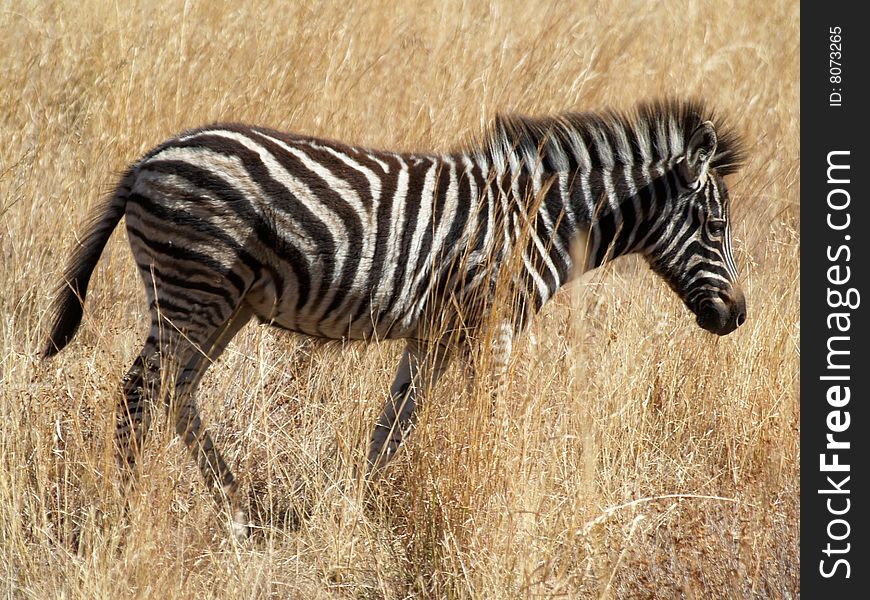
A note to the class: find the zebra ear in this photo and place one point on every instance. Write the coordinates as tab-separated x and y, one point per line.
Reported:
700	150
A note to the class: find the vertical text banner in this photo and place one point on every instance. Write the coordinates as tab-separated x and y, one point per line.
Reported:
835	343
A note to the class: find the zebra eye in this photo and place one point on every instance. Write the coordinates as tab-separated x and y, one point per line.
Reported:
716	226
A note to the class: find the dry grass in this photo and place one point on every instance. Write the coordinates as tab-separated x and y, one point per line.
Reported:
632	454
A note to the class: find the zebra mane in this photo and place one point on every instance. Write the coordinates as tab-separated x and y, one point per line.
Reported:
652	132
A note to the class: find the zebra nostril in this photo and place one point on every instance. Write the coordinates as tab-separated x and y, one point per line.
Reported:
741	318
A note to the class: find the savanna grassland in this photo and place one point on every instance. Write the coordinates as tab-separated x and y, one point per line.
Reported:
629	455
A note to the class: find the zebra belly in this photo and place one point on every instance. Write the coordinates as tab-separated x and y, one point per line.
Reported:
357	318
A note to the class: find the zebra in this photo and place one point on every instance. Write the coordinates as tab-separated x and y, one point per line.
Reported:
230	222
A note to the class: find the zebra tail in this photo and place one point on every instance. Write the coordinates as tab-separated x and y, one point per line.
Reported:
69	301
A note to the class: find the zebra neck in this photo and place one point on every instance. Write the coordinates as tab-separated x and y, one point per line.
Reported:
559	218
621	212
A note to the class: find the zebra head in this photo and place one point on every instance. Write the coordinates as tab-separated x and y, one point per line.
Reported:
694	256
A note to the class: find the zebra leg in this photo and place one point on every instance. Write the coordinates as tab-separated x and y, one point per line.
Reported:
133	414
180	358
188	424
422	364
501	349
141	388
487	364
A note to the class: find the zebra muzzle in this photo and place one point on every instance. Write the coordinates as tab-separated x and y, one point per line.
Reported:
723	312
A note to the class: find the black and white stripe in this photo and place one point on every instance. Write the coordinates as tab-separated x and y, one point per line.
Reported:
231	222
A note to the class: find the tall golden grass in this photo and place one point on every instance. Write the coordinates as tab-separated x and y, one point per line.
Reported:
630	455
